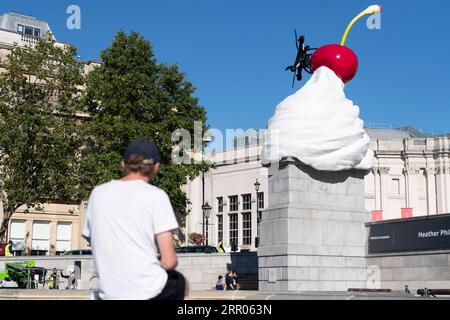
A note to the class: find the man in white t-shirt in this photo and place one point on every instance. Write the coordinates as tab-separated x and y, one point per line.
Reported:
127	222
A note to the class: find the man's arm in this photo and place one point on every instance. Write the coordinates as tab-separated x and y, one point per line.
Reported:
168	259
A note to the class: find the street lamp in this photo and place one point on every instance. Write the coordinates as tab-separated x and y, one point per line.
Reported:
257	185
206	214
258	213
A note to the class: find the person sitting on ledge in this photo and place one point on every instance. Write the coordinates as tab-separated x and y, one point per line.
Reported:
134	214
219	284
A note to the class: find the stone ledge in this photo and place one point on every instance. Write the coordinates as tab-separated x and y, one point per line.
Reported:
22	294
225	295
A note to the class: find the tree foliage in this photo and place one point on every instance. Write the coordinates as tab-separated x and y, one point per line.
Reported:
39	139
196	238
48	153
132	96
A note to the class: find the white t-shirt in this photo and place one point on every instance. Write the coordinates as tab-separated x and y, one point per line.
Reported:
122	220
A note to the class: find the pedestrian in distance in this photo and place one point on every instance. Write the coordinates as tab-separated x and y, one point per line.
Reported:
229	281
235	280
220	248
219	284
9	249
71	280
128	221
53	280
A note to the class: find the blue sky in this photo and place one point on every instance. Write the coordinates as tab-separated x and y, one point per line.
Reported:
235	52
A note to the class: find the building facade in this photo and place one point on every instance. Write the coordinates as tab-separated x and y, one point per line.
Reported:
51	228
410	178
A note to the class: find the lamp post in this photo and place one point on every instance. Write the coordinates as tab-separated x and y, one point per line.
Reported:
258	213
206	214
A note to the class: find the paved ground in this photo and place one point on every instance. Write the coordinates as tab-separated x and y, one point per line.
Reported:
257	295
215	295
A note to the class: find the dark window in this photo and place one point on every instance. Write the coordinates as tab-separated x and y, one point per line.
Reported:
260	200
38	252
220	228
37	32
247	228
29	31
220	204
20	28
234	203
246	202
233	228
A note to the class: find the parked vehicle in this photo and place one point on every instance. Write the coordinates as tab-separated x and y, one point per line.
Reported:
79	252
197	249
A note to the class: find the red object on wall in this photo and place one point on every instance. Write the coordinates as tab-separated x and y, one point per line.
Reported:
341	59
377	215
2	249
407	213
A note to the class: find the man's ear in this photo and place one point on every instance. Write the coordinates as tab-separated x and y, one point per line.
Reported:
122	164
156	168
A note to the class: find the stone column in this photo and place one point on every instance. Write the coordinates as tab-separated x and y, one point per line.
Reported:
431	190
254	220
226	225
447	188
313	236
28	235
75	235
442	189
384	189
53	237
411	188
195	218
81	241
376	174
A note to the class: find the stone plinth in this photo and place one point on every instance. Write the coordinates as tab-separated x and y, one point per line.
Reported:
313	236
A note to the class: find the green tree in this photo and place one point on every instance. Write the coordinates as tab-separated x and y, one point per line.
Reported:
131	96
39	139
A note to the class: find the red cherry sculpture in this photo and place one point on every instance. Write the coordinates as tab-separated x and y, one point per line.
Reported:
341	59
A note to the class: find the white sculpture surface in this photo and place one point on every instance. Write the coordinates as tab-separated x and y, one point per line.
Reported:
320	127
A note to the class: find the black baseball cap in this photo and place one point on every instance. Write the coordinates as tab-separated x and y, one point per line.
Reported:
143	148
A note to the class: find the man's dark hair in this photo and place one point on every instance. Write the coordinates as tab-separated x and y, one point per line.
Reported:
136	164
220	278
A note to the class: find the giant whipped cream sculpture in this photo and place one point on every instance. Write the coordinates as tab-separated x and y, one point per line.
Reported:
318	125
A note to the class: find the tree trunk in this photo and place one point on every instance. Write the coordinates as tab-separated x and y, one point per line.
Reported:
7	214
4	226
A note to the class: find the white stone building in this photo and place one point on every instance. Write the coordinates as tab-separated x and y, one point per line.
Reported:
410	178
